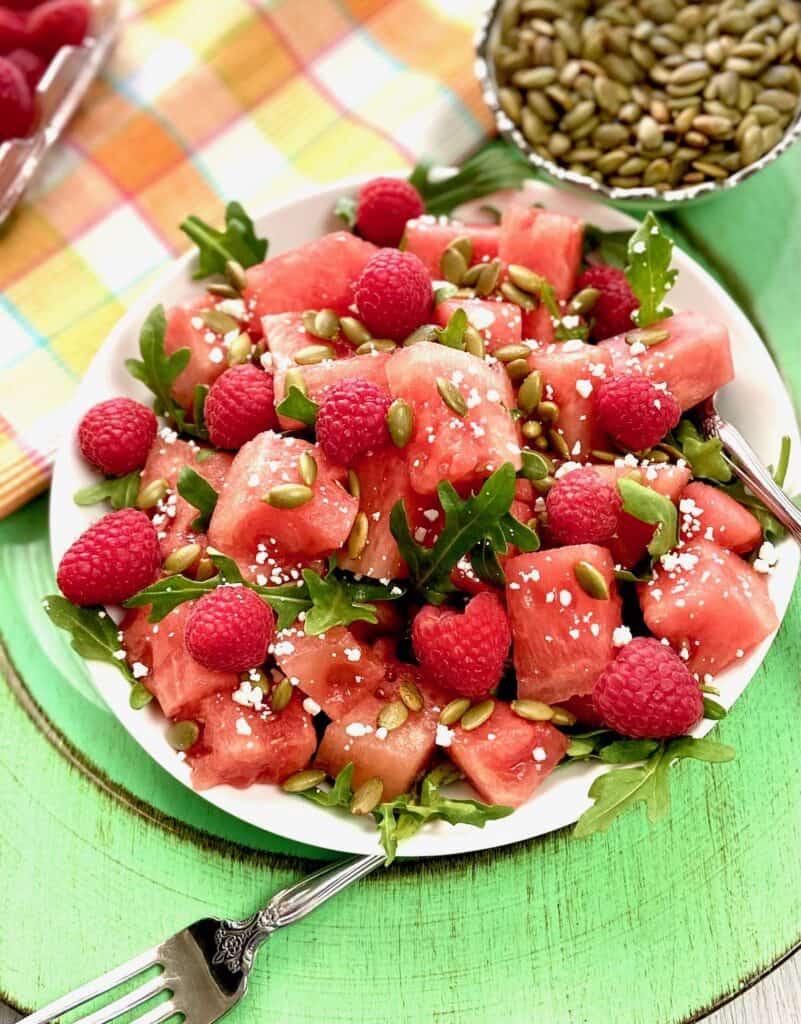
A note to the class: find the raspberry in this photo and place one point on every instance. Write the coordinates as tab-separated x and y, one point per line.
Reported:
582	508
230	629
352	419
30	64
394	294
116	435
12	31
613	309
635	411
647	692
57	23
112	560
16	102
240	405
385	204
463	651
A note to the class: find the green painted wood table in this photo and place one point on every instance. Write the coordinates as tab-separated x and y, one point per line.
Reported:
102	854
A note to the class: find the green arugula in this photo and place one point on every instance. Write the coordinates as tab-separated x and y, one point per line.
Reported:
158	372
345	208
238	242
635	575
339	599
198	492
121	491
617	790
562	331
297	406
611	246
93	632
649	272
704	455
452	335
493	169
649	507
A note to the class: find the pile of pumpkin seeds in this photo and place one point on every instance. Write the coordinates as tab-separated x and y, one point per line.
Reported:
658	93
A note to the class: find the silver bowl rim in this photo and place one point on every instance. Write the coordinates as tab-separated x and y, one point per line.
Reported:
647	195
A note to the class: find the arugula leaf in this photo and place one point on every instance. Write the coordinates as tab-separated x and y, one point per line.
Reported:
198	492
621	788
238	242
93	631
338	601
121	491
611	246
199	409
345	208
467	521
340	793
493	169
297	406
780	473
452	335
158	371
485	564
563	330
649	272
635	575
626	751
649	507
705	456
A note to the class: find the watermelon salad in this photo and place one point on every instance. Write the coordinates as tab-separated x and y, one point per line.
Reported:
420	501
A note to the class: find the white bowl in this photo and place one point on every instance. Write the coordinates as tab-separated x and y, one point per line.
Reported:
756	401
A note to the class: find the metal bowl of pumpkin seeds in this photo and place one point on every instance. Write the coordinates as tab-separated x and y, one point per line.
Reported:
645	102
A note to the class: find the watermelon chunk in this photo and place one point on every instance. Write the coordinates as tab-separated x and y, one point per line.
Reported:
317	275
507	757
562	636
444	445
498	323
239	745
711	513
693	362
334	669
428	238
176	680
241	520
571	370
538	326
708	602
208	353
548	243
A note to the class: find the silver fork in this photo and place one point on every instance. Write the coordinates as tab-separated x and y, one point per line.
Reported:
747	465
205	967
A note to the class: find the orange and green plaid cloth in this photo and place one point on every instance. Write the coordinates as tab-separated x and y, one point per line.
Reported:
205	101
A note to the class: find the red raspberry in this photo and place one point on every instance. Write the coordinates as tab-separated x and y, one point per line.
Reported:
394	294
12	31
647	692
116	435
463	651
16	102
385	204
240	405
582	508
352	419
57	23
230	629
112	560
635	411
30	64
612	312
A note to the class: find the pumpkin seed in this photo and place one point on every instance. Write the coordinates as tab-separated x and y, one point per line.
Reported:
312	354
410	695
400	422
376	345
205	569
764	114
151	494
579	748
288	496
357	541
683	121
451	396
710	170
591	580
223	290
532	710
530	394
181	558
558	443
563	717
602	456
183	735
657	171
752	145
281	695
647	336
488	277
611	161
294	379
531	429
547	482
367	797
307	468
548	412
474	343
534	78
584	301
392	715
508	353
139	696
300	782
576	117
525	279
220	323
453	265
517	370
649	134
780	99
464	245
428	332
240	349
236	275
477	715
326	324
453	712
354	330
511	102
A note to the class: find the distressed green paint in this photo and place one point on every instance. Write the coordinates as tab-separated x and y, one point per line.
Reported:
643	925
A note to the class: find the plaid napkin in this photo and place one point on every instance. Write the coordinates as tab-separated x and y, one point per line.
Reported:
205	101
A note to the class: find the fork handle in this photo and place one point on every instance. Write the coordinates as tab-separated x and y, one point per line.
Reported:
748	466
298	900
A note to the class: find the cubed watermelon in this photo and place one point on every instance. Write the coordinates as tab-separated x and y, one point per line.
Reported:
334	669
429	237
562	636
712	514
571	370
320	274
709	603
242	520
239	745
208	353
498	323
538	326
548	243
507	757
693	362
445	445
